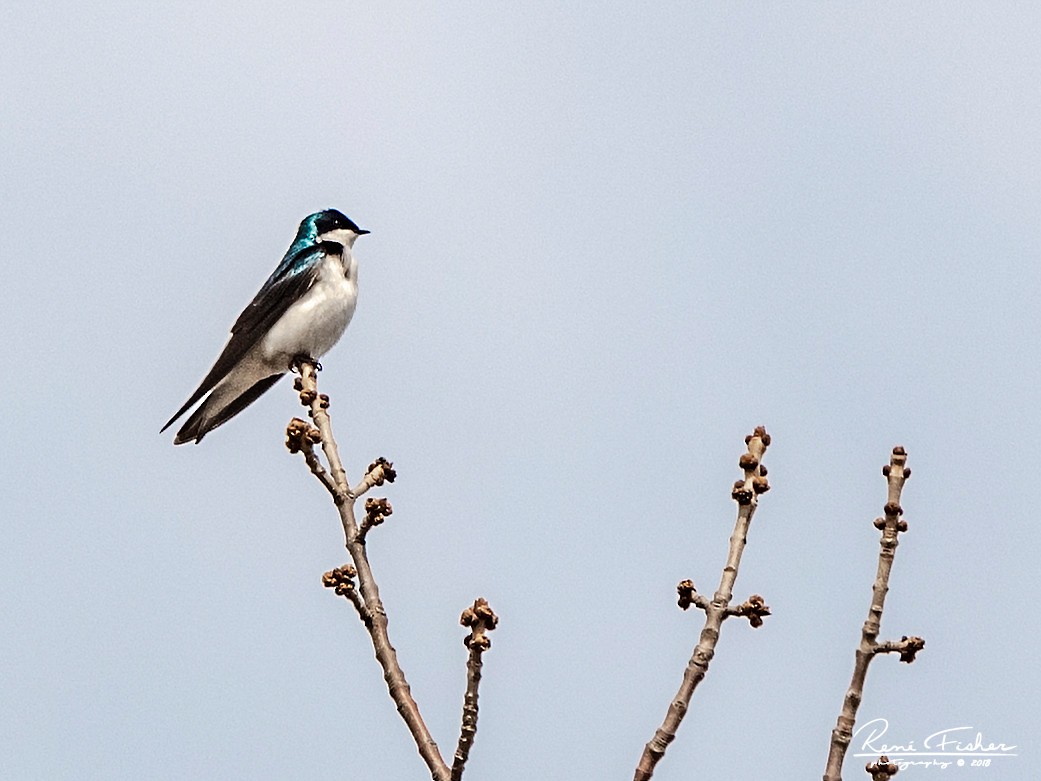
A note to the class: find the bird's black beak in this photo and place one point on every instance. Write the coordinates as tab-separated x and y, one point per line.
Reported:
362	232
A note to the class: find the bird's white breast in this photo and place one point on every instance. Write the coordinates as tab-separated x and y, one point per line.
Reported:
312	325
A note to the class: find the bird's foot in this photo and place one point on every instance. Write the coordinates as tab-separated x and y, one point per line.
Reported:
298	360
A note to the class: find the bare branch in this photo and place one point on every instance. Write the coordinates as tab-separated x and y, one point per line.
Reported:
891	525
481	620
746	493
754	608
370	608
907	647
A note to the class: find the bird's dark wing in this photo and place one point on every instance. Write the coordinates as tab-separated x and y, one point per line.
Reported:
199	423
294	276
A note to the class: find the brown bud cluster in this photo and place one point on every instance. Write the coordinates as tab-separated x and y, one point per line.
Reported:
748	462
341	579
301	435
481	619
911	646
754	608
888	468
740	494
755	482
760	431
880	523
386	471
306	396
376	511
686	592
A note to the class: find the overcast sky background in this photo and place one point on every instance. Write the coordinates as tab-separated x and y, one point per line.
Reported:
607	241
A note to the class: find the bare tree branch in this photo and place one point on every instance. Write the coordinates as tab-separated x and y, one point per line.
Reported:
754	608
746	493
368	605
481	620
891	525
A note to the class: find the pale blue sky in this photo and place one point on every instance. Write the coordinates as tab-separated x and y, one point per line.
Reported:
607	240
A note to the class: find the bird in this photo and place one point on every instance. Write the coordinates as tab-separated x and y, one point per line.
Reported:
300	312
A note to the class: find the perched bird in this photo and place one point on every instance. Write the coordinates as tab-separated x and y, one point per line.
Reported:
300	312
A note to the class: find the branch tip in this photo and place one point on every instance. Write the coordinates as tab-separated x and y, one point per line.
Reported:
301	436
745	492
481	619
891	525
912	645
376	512
381	470
341	579
907	647
754	481
754	609
686	592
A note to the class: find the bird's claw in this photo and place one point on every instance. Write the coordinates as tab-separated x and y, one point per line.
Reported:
299	360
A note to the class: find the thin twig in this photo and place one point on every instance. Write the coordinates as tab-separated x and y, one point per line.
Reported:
891	525
481	620
746	493
371	609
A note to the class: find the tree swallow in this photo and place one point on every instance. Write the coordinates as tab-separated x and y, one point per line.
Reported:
300	312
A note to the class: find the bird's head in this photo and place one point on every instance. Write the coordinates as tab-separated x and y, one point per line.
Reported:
329	225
